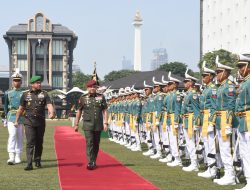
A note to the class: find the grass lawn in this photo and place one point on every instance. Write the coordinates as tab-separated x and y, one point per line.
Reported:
164	177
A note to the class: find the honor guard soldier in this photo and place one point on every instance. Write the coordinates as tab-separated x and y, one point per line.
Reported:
225	106
148	107
191	114
166	157
208	108
93	108
32	105
156	117
11	105
242	111
174	115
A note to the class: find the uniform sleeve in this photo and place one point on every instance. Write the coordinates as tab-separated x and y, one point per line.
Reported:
47	99
213	97
23	101
230	94
177	109
104	103
80	102
6	102
196	108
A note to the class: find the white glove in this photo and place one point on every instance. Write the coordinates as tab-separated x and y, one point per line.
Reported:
136	124
228	130
176	126
157	123
5	123
196	128
210	128
149	123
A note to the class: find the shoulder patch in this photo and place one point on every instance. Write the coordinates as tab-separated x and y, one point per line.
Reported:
230	82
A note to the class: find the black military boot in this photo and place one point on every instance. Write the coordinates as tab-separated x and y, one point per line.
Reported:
38	164
28	167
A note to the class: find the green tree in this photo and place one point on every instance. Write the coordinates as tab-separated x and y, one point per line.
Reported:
114	75
225	57
177	68
80	79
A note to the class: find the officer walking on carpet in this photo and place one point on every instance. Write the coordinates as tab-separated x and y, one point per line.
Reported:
93	109
32	105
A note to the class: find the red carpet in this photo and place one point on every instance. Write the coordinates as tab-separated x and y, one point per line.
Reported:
110	174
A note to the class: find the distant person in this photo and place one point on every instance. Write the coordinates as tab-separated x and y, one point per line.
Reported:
32	104
93	109
11	105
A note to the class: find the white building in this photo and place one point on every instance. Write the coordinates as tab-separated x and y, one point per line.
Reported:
225	24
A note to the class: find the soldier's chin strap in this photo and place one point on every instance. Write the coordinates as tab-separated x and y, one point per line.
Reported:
245	70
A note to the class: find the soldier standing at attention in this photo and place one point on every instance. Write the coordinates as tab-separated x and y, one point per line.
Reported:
33	102
208	108
93	106
191	112
225	107
242	110
11	105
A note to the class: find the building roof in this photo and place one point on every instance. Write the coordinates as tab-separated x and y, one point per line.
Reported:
138	78
56	28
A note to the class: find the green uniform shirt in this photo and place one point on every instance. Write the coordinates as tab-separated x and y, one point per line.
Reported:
243	103
92	107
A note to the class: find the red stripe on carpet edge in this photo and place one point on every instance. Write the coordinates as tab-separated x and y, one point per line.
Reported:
110	174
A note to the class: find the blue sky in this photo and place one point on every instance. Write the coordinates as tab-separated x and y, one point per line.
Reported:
105	31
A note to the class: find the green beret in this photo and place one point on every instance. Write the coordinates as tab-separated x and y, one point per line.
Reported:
35	79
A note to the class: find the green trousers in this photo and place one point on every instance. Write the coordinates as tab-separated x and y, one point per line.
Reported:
92	144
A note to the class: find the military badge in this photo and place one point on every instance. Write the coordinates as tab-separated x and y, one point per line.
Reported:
195	96
178	98
41	95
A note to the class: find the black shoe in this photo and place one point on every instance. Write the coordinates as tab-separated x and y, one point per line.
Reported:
38	164
28	168
91	166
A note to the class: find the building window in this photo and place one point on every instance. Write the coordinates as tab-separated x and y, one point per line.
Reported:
40	50
39	23
22	64
57	65
57	81
22	47
57	46
32	25
47	25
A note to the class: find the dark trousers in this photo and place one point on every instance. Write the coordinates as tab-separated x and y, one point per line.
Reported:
34	136
92	142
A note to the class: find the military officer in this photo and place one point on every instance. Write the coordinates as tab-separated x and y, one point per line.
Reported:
93	108
156	117
174	112
33	102
191	114
225	107
148	107
242	110
208	108
11	105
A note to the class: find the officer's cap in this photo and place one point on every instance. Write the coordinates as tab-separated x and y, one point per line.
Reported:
35	79
17	75
207	70
243	59
91	83
157	83
189	77
221	66
172	79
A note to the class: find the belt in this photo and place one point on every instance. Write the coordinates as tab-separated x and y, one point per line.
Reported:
241	114
218	113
